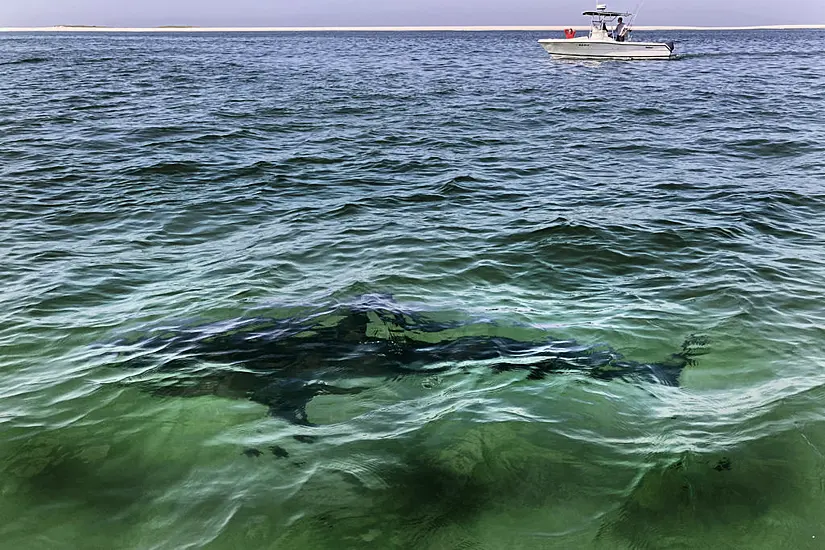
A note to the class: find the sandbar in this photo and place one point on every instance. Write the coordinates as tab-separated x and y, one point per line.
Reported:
550	28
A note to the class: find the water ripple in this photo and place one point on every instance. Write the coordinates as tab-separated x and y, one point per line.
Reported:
154	185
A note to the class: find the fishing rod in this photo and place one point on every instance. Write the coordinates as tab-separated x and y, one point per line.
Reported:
636	11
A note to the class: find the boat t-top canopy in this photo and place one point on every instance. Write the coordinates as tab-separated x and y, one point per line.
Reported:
607	13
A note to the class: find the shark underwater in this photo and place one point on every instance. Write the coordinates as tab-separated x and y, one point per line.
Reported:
283	363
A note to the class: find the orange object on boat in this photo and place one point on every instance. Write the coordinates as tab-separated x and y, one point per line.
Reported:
569	33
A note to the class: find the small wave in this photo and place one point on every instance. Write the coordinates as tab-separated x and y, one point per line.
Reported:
788	198
344	211
257	169
459	185
497	109
677	186
99	60
415	198
349	110
307	160
206	139
761	147
166	169
158	132
425	165
780	230
647	111
738	55
655	148
26	61
560	227
583	109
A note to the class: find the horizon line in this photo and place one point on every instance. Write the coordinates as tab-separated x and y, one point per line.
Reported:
446	28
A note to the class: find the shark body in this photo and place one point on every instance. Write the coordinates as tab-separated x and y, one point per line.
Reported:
284	363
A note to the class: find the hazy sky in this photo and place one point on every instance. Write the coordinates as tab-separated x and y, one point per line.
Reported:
396	12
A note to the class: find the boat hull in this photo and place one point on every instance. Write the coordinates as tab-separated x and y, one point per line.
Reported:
596	49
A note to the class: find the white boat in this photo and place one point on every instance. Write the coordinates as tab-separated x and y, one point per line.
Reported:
604	42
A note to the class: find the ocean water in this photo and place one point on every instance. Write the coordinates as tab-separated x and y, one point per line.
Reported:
184	211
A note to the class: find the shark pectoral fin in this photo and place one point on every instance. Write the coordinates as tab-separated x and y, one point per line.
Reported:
288	399
293	411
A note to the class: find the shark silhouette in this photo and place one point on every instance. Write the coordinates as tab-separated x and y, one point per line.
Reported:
284	363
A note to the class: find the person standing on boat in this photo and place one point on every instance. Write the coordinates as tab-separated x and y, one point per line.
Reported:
619	31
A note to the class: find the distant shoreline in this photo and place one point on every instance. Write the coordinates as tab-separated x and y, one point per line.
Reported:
552	28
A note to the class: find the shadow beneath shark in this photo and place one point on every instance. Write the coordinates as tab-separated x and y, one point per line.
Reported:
285	363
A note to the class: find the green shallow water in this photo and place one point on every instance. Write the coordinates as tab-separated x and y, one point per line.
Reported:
166	183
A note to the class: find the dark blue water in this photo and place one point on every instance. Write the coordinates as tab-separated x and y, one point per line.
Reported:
472	249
